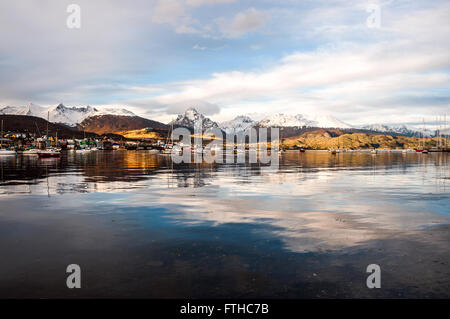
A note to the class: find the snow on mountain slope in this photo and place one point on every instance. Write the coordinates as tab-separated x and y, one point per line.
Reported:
285	120
399	129
112	111
31	109
239	124
190	117
62	114
328	121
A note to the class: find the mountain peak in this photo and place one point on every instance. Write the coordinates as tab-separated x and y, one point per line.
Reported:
240	123
190	117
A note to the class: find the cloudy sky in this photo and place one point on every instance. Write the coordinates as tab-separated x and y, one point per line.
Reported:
230	57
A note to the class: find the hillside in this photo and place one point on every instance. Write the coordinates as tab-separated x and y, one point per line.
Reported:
34	125
37	126
326	139
143	134
102	124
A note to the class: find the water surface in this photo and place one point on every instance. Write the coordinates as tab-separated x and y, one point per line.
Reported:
141	226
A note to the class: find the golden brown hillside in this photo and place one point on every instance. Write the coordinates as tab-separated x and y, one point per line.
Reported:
142	134
323	140
101	124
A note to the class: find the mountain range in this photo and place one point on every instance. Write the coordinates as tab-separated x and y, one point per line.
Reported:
71	116
120	119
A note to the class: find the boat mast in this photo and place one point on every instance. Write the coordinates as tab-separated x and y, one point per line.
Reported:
423	133
445	130
48	119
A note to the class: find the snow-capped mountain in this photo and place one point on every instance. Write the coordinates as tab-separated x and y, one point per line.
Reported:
299	120
63	114
190	117
398	129
284	120
328	121
239	124
31	109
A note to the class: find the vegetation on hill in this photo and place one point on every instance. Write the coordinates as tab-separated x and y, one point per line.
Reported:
118	123
322	139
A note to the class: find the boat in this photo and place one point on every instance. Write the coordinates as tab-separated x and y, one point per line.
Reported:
7	152
49	153
422	149
374	151
83	150
31	151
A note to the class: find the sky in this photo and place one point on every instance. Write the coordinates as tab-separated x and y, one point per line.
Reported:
229	57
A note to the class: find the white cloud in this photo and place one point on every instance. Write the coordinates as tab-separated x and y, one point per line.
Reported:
175	13
201	106
203	2
332	62
243	22
198	47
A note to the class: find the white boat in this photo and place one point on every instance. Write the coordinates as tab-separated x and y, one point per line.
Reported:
32	151
374	151
49	153
153	151
7	152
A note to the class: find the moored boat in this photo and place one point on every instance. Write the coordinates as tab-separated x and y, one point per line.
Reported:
32	151
49	153
7	152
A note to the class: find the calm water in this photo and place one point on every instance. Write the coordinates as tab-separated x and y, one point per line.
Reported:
140	226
